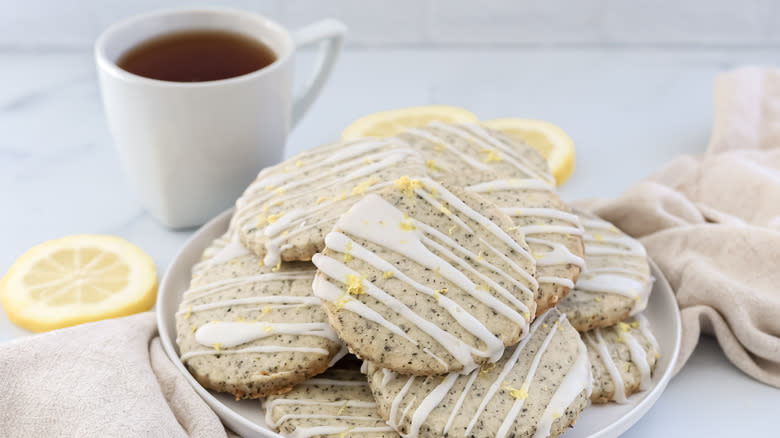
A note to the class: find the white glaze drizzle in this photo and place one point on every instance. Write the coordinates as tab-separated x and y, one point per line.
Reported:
601	348
429	403
394	420
459	403
577	379
639	358
330	292
644	327
514	411
632	281
387	376
231	334
494	387
197	292
343	165
537	235
339	355
324	429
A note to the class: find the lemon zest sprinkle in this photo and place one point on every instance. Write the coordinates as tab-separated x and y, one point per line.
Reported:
364	185
348	252
342	300
388	274
407	185
355	285
189	313
431	165
486	368
518	393
274	217
322	199
491	156
218	347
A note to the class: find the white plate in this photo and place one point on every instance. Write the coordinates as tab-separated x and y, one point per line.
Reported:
247	418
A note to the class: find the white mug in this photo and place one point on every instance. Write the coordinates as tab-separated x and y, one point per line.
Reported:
190	148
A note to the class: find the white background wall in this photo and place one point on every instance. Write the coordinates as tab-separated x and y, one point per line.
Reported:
74	24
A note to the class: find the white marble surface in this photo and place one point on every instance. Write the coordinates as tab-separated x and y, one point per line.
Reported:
629	111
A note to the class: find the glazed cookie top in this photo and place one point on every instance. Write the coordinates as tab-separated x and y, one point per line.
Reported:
469	154
336	403
516	178
552	231
537	389
287	211
616	281
623	356
237	307
424	279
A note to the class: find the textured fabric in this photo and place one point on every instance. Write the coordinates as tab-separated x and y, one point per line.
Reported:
109	378
712	223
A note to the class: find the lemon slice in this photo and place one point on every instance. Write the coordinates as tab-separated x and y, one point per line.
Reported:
553	143
78	279
392	122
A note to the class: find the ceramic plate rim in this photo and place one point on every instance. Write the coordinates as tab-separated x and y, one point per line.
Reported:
190	252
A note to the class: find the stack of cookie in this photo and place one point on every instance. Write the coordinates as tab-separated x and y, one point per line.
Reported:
476	302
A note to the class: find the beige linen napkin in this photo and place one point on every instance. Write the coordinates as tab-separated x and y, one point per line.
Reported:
712	224
107	379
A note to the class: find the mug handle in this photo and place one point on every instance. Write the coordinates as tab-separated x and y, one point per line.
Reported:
331	33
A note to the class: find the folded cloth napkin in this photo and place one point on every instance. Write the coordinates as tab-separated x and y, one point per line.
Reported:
712	223
109	378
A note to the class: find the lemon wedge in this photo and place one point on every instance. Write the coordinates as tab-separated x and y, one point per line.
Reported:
78	279
551	141
392	122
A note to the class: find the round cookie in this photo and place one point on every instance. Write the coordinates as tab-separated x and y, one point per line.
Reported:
424	279
516	178
616	281
337	403
251	330
623	358
537	389
286	212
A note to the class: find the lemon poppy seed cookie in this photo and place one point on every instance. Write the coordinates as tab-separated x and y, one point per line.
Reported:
252	330
537	389
516	178
286	212
623	359
424	279
616	281
337	403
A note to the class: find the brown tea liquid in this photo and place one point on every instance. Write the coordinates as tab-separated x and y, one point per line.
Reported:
197	56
